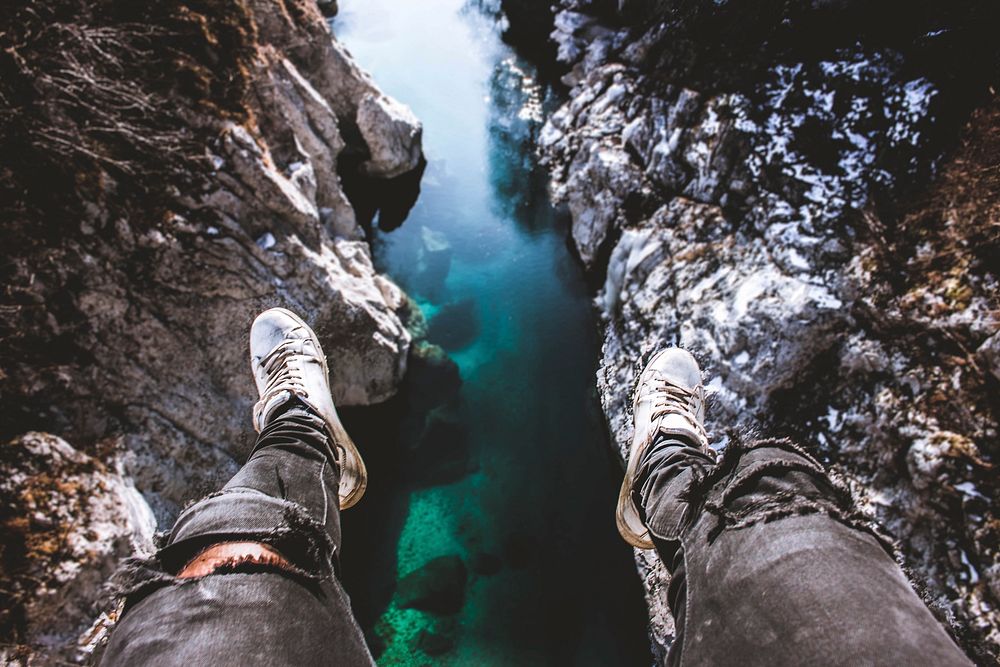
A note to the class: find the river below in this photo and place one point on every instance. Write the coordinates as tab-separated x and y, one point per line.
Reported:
512	481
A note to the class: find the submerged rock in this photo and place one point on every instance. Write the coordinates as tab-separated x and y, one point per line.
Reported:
433	378
442	455
486	563
437	586
455	326
433	263
434	642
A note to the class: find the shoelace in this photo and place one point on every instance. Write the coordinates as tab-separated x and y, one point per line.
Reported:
282	365
669	398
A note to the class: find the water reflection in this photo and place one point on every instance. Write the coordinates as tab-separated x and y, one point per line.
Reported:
518	107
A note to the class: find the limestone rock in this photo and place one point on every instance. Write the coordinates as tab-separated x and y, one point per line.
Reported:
729	302
161	308
68	519
128	323
727	188
989	352
392	133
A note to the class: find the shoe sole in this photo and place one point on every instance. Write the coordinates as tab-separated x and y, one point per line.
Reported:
630	524
353	474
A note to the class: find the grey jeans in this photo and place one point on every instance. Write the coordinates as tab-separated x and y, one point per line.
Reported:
251	614
769	564
772	565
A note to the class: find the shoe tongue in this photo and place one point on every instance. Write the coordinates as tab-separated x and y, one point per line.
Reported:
272	404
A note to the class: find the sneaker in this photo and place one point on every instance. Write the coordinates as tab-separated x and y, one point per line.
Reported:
287	363
669	399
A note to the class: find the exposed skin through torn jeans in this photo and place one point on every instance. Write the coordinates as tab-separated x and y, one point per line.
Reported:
771	564
251	614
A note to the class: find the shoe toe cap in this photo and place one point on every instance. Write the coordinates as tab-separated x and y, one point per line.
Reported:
269	329
678	366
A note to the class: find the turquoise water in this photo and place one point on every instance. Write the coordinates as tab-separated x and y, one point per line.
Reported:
513	474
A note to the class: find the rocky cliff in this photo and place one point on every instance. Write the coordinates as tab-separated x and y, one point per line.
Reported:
168	171
805	195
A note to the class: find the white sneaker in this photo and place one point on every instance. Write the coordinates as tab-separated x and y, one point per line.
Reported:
669	399
288	362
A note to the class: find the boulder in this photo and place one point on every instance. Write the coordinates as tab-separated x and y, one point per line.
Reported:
455	326
437	586
433	263
392	134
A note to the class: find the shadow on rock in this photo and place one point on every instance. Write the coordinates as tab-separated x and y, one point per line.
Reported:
390	198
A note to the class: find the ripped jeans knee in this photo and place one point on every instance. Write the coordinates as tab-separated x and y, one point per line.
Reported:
753	482
305	546
767	480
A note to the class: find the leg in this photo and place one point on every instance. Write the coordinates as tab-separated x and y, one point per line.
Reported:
249	575
769	567
769	562
289	610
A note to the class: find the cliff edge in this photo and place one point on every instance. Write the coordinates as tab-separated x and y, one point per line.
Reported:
168	171
803	194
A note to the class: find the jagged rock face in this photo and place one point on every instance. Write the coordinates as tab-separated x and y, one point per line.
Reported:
126	305
158	309
740	194
68	518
